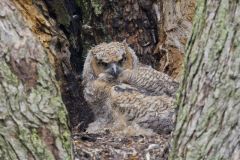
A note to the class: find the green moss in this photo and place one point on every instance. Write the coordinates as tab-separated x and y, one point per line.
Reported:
62	116
96	4
66	140
87	6
34	143
65	134
9	77
61	12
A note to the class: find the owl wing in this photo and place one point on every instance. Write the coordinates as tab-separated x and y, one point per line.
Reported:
137	106
152	112
151	80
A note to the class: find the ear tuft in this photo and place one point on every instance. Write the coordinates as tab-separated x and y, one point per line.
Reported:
124	42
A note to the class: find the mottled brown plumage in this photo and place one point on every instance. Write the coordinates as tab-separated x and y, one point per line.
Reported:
124	95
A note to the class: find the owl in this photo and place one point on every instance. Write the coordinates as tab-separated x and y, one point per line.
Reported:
126	95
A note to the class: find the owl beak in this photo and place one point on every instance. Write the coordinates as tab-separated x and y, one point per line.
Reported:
114	70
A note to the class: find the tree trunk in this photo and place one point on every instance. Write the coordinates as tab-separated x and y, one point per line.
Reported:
209	106
156	30
33	122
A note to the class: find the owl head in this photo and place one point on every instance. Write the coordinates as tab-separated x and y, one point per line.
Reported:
109	58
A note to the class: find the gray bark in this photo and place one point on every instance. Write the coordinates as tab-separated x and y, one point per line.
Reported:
208	122
159	41
33	119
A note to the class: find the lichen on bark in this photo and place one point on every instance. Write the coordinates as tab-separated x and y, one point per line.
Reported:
32	123
208	118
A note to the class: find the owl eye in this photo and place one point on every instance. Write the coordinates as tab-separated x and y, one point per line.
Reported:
122	60
102	63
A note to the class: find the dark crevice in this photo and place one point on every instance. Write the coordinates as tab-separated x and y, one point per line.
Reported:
80	115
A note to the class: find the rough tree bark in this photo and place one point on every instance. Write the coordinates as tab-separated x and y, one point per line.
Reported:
208	123
33	118
157	31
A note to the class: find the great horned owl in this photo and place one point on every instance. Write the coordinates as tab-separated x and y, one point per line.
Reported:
118	88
